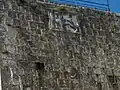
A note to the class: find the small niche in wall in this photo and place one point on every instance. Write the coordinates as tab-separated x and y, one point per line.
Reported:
115	86
40	69
99	86
113	80
39	66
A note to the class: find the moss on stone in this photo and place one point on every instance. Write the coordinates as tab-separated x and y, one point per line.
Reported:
61	8
114	27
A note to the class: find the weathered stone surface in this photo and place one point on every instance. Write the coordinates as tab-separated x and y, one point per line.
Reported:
43	48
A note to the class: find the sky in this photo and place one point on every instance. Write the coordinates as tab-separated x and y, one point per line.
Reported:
114	4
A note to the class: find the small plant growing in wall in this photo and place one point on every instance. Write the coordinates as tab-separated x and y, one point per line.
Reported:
114	27
60	8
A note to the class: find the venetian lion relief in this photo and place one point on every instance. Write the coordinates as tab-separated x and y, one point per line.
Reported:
61	21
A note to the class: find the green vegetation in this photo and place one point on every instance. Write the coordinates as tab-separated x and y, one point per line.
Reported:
114	27
61	8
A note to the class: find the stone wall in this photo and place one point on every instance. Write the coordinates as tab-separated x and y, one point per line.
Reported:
51	47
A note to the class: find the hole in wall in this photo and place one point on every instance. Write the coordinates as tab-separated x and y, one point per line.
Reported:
113	80
99	86
40	69
39	66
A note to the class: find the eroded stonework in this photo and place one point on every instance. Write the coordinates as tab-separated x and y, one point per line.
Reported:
43	48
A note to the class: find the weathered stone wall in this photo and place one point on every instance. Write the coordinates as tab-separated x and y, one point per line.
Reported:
43	47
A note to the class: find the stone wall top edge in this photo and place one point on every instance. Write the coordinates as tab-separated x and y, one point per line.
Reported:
76	8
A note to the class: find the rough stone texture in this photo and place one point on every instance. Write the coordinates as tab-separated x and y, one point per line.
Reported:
43	47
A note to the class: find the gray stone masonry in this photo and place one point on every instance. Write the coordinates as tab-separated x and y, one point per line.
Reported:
52	47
